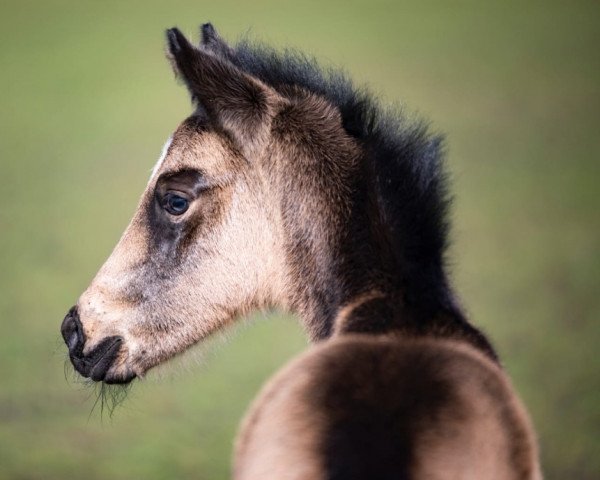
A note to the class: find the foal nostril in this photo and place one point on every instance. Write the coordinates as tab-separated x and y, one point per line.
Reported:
72	332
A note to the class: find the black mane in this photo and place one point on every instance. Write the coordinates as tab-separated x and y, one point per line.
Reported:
405	159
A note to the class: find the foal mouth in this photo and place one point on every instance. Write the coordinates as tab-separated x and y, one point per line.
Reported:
95	364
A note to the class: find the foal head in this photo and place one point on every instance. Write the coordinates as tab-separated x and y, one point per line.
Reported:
286	187
207	241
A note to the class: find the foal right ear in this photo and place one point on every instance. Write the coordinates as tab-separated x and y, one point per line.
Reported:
238	103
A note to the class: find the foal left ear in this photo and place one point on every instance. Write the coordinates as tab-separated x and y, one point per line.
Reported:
238	103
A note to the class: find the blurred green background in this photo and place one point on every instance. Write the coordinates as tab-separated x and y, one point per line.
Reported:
87	100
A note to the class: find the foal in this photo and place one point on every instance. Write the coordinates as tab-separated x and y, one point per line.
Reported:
288	187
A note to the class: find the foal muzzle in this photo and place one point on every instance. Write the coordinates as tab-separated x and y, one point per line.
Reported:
94	364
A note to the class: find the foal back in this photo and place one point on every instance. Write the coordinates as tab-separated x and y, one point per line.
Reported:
362	407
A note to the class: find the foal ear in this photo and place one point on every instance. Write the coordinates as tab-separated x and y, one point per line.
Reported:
211	40
238	103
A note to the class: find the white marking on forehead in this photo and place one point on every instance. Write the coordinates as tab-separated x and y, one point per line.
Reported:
161	159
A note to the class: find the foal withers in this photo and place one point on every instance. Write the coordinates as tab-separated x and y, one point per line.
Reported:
287	187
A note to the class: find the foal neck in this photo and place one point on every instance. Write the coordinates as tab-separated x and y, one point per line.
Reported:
373	312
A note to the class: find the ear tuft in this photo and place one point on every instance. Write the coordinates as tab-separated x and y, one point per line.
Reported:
177	42
208	33
213	42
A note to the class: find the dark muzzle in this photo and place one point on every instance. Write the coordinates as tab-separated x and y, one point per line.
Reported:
96	363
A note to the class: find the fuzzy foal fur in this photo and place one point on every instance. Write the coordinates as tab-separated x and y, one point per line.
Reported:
305	194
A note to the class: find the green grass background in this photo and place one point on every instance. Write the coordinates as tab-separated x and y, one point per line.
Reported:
86	102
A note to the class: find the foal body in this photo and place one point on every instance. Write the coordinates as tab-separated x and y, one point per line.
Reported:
385	407
288	187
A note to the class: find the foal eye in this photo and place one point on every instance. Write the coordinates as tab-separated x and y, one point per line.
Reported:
175	204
